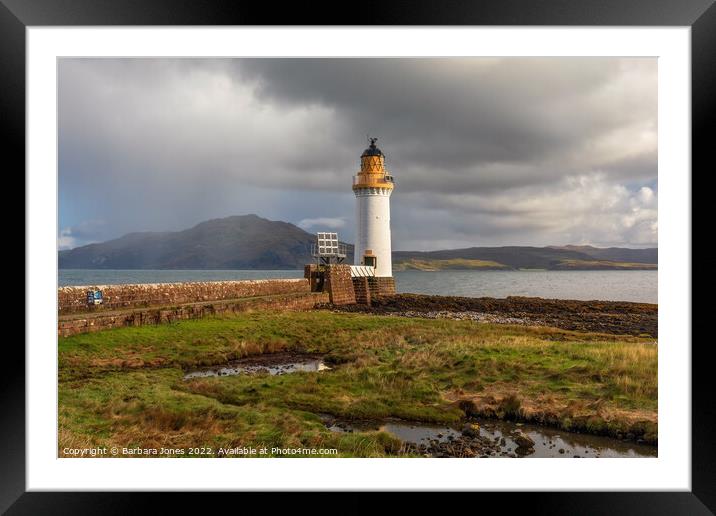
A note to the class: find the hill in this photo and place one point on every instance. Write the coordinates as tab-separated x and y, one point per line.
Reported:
522	257
252	242
616	254
239	242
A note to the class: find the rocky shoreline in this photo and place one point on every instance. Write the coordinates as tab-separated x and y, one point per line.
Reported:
611	317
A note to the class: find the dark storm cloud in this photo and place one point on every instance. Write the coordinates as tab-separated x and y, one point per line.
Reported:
458	113
482	149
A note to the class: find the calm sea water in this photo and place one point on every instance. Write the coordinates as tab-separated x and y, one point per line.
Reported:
640	286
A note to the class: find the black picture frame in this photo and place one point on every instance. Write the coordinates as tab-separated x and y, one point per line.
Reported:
700	15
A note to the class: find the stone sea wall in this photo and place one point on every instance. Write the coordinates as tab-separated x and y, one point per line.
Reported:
140	304
92	322
121	297
346	290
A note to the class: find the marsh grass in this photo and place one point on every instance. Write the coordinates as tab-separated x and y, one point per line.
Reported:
125	387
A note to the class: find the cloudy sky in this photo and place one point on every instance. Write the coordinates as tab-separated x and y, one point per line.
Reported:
534	151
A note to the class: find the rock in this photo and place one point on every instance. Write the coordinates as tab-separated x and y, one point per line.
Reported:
471	430
561	450
523	440
522	452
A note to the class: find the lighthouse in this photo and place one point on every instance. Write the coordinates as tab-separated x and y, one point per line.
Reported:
372	187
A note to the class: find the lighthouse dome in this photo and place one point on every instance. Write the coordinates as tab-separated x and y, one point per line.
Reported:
372	150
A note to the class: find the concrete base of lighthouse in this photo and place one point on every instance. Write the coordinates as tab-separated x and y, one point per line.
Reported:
344	290
368	288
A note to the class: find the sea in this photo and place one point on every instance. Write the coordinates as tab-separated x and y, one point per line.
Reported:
637	286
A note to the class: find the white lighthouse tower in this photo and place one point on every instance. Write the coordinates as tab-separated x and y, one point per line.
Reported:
372	187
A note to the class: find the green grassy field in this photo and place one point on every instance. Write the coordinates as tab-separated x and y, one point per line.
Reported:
125	387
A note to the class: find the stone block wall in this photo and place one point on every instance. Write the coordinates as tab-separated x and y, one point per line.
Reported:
342	288
120	297
338	284
314	276
137	305
361	288
382	286
92	322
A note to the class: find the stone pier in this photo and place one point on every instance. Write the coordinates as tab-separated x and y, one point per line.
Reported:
141	304
342	288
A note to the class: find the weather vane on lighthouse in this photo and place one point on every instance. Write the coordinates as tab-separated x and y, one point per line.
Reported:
372	187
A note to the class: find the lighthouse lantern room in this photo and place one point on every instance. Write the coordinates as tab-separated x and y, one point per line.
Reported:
372	187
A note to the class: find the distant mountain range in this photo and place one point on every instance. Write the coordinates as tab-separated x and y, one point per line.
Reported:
619	254
239	242
522	257
252	242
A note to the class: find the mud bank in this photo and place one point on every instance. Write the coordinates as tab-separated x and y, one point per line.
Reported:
612	317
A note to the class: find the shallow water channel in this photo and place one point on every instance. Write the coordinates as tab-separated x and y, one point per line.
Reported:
273	364
494	438
548	442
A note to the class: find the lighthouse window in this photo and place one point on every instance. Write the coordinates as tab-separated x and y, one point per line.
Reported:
370	261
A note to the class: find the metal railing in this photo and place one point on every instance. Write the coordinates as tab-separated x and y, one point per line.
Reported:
362	271
370	179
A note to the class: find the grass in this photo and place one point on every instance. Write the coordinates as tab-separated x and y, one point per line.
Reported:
124	387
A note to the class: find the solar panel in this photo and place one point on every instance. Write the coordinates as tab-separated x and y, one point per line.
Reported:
327	244
327	247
